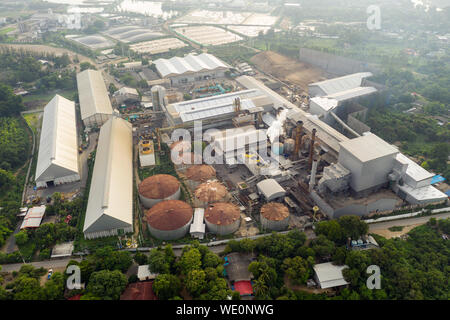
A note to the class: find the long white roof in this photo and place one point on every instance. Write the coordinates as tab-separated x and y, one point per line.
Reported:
189	64
110	203
329	275
214	106
340	84
58	148
414	171
93	95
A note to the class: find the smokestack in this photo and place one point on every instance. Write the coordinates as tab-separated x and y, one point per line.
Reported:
312	180
298	139
311	148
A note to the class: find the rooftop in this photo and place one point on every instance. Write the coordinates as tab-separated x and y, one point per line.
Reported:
159	186
414	170
274	211
340	84
329	275
139	291
169	215
211	191
368	147
222	213
188	64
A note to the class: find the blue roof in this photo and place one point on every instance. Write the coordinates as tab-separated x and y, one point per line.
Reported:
447	193
437	178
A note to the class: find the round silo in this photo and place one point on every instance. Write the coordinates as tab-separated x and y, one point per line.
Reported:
198	174
274	216
289	146
157	188
169	219
187	160
222	218
210	192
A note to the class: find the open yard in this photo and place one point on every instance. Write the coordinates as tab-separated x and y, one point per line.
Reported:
288	69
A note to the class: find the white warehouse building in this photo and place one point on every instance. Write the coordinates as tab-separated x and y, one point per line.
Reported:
191	68
110	204
95	105
58	148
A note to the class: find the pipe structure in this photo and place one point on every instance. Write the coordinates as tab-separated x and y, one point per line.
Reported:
312	180
298	139
311	148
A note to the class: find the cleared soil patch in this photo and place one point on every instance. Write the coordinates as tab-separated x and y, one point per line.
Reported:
287	69
395	234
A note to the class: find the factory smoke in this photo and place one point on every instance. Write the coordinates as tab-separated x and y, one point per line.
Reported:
277	127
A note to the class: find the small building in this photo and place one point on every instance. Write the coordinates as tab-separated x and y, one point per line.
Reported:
58	148
328	275
270	189
144	273
126	95
33	218
62	250
198	226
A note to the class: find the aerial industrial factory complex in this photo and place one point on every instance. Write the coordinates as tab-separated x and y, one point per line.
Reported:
277	165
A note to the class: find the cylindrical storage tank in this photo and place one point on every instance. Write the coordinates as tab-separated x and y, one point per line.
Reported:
274	216
169	219
198	174
210	192
222	218
289	146
278	148
181	146
157	188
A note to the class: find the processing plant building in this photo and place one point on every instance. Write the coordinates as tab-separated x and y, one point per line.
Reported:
95	105
58	149
110	203
191	68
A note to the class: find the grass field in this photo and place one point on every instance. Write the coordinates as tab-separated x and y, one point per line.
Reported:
6	30
46	97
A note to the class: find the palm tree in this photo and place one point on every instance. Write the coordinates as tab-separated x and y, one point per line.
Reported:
260	288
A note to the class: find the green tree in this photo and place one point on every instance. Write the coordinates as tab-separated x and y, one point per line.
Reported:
297	269
54	288
196	282
166	286
331	229
157	261
140	258
26	288
21	237
107	284
190	260
353	227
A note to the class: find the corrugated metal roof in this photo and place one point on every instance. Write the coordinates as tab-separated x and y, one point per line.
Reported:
428	193
58	147
369	147
414	171
211	191
93	95
198	225
330	275
352	93
209	107
271	189
110	203
274	211
188	64
33	218
200	172
340	84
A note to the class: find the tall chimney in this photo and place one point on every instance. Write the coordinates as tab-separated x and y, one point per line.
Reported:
312	180
298	139
311	148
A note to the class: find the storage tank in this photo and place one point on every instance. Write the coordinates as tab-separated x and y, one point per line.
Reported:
209	192
157	188
169	219
274	216
278	148
222	218
289	146
198	174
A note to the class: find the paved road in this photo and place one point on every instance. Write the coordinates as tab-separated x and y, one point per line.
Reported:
57	263
406	222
